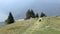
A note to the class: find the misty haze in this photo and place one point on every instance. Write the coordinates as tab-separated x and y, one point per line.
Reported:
29	16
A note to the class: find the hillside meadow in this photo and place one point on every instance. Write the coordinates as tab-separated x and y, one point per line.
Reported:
48	25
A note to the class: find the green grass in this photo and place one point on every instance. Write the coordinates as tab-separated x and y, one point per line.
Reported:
48	25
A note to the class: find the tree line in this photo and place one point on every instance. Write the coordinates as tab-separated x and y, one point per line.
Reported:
29	14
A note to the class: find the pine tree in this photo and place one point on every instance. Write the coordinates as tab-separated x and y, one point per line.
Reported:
28	14
10	19
43	15
32	14
37	16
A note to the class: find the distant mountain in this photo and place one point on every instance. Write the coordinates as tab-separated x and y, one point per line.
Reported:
1	23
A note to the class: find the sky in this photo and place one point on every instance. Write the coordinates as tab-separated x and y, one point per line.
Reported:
20	7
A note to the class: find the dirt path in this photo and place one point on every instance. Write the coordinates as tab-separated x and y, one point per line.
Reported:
31	29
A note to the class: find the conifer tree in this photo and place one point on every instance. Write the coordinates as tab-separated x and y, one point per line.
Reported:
32	14
43	15
37	16
10	19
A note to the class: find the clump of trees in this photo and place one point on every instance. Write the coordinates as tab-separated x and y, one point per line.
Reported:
10	19
43	15
30	13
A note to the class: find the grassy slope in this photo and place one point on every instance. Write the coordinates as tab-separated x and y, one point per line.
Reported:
33	26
